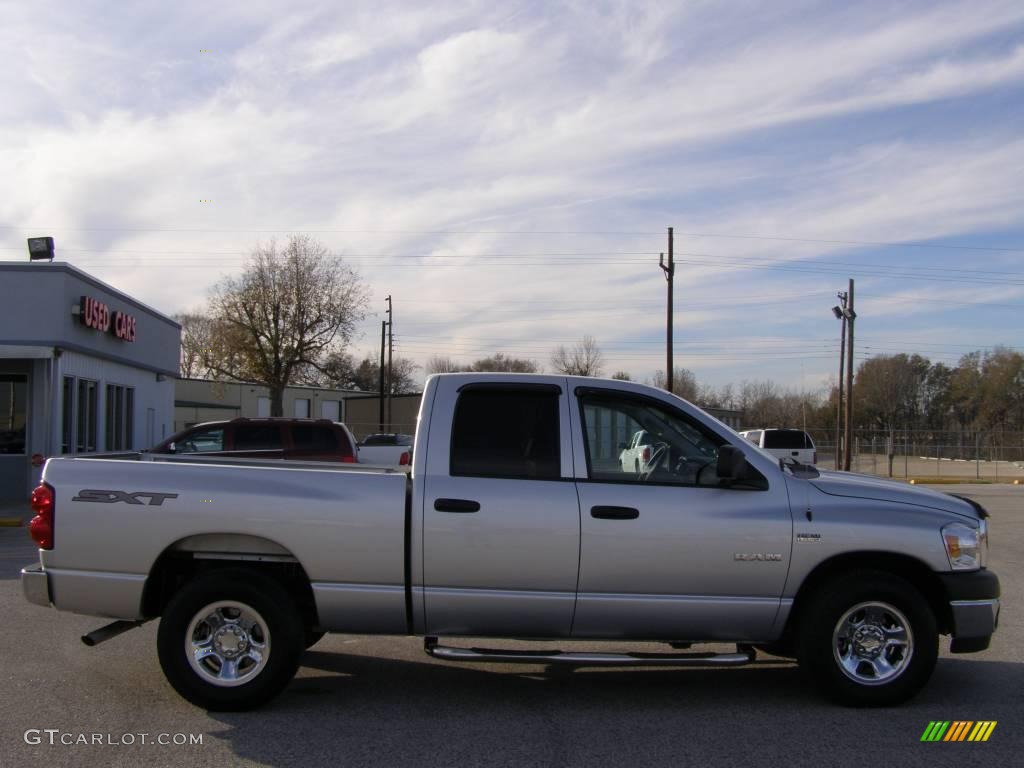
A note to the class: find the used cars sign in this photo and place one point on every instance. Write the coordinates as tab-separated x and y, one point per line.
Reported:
97	315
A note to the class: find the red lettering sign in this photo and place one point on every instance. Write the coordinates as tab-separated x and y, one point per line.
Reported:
97	315
124	326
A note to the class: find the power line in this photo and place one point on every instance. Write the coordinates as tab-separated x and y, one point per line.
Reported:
637	233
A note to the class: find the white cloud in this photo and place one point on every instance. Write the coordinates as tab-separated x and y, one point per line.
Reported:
393	129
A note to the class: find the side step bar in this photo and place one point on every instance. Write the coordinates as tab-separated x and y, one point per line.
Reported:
744	655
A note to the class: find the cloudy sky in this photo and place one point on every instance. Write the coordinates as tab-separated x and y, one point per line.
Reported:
507	171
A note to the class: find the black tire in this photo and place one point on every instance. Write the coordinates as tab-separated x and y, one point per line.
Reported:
313	637
278	627
872	676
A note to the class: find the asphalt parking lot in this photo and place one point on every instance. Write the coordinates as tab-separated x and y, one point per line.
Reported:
362	701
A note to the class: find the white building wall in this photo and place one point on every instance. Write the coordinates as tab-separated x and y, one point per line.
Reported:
149	394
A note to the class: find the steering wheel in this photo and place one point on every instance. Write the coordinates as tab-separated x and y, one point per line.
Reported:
657	459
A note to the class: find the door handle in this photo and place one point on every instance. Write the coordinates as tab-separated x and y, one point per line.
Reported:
456	505
614	513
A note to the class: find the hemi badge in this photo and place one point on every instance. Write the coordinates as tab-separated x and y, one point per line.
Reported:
808	537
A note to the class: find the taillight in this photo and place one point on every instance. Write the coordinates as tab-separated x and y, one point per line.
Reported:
41	526
405	459
647	453
349	460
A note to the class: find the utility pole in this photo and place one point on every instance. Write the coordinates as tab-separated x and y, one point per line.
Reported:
383	329
840	313
391	351
851	315
670	273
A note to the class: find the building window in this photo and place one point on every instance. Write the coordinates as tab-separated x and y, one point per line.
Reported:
330	409
302	408
129	418
120	417
13	411
67	440
85	437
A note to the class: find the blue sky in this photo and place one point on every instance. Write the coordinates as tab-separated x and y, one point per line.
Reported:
507	171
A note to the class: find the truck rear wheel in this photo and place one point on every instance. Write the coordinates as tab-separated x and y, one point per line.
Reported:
868	639
230	640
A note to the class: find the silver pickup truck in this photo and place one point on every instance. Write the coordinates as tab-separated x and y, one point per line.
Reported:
519	521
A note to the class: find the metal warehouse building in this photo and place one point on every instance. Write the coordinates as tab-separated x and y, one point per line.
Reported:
84	368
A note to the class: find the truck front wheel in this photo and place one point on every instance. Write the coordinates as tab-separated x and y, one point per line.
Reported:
868	639
230	640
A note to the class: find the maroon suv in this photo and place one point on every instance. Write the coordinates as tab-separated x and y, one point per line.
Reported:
274	438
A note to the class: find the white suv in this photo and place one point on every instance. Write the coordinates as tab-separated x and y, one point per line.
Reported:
784	443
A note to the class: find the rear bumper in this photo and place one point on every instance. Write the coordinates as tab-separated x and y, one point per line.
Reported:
974	606
35	583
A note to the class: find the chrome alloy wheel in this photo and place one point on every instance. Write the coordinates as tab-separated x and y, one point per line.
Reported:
872	643
227	643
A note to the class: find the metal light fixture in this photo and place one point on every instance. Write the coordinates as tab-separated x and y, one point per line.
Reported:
40	248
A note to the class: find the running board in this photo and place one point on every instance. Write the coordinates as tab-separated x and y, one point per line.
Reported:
743	655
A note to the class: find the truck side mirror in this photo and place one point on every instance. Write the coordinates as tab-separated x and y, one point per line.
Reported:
622	447
732	464
172	448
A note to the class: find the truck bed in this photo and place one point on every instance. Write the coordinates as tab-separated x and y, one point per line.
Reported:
344	525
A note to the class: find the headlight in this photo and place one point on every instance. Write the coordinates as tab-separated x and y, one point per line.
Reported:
965	546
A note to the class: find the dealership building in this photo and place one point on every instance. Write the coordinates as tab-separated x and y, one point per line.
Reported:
84	368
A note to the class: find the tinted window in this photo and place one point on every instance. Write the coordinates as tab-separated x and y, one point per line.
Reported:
506	433
257	437
201	441
787	438
313	437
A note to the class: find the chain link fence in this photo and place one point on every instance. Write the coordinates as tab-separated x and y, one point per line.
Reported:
979	455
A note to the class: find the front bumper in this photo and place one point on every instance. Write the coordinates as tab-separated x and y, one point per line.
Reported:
974	607
35	583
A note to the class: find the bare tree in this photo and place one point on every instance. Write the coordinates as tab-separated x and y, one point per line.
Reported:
285	312
207	344
195	343
684	383
439	364
499	362
583	359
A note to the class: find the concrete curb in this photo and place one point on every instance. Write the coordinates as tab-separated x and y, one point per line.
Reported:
958	481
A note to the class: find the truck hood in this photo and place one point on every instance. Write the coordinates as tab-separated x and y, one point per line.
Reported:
877	489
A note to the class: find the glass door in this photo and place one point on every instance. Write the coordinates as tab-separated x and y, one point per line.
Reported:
13	436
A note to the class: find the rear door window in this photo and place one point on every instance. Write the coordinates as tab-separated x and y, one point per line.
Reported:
315	438
506	432
258	437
